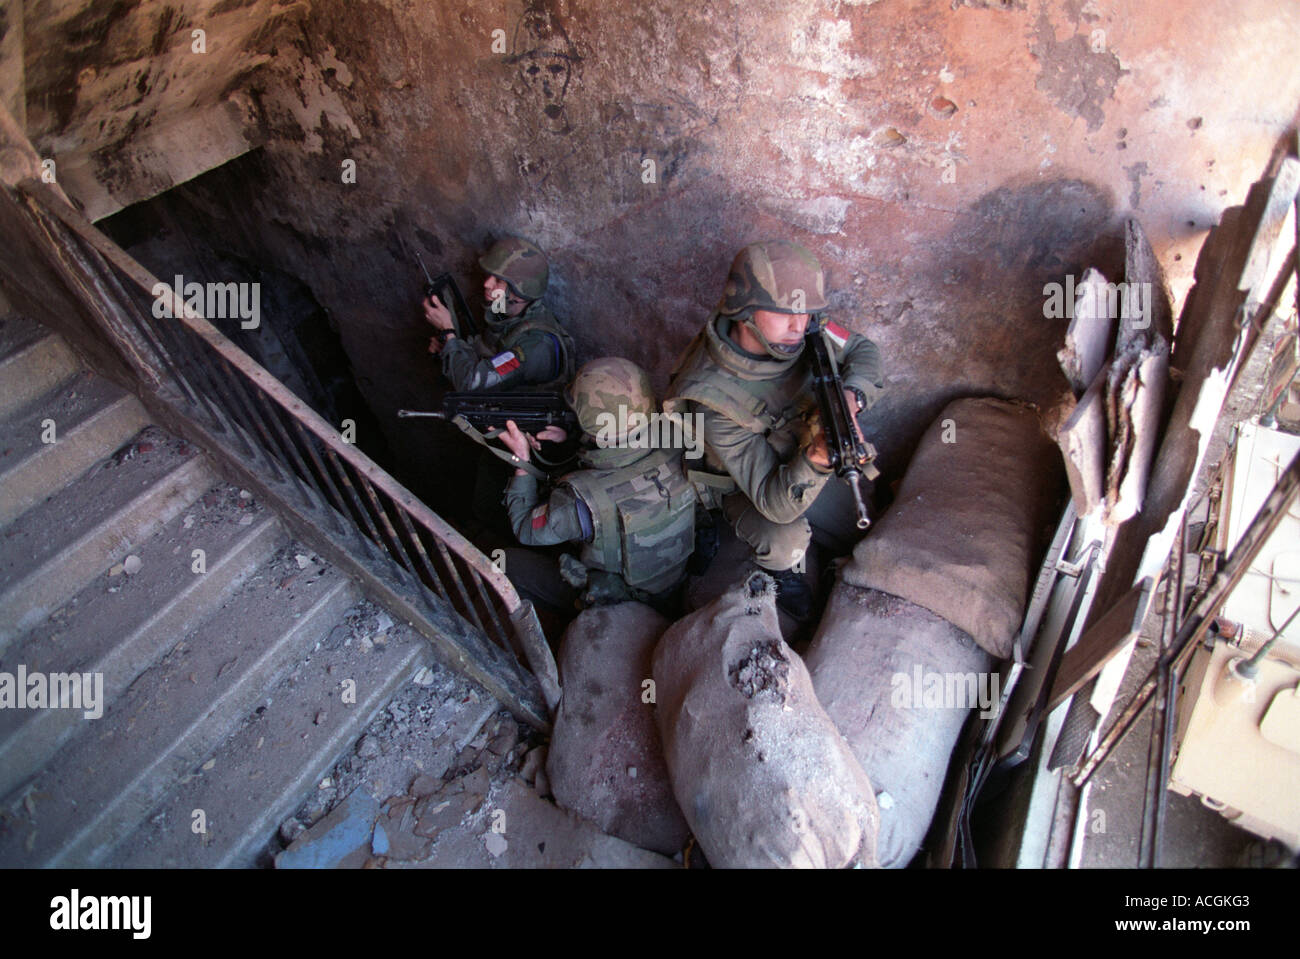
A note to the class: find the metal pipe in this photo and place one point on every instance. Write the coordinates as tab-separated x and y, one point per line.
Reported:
399	553
361	516
460	586
325	481
1225	580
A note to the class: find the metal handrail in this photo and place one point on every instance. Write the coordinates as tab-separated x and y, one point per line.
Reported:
216	382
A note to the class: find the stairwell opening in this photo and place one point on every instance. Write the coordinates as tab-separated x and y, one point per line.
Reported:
199	233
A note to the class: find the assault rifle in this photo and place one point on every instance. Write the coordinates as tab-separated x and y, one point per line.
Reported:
851	458
532	412
482	416
444	287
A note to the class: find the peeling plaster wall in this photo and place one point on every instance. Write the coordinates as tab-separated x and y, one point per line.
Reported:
944	158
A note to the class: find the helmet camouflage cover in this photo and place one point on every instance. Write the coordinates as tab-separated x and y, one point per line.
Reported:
776	275
520	263
603	385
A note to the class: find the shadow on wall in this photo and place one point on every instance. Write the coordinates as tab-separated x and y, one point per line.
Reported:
991	336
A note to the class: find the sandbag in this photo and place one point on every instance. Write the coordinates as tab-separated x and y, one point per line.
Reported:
605	762
962	537
877	663
757	766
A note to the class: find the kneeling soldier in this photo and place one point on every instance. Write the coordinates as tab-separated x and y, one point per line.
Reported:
747	375
631	506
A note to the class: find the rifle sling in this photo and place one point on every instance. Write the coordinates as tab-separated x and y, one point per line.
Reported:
467	428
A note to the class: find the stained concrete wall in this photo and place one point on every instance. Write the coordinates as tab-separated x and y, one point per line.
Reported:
944	158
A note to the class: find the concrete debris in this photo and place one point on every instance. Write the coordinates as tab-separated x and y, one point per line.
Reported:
534	761
484	715
518	829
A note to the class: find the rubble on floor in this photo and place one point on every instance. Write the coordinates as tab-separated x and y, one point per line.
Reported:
445	778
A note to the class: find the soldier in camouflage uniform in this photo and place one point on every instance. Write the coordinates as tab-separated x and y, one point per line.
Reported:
767	461
522	345
631	507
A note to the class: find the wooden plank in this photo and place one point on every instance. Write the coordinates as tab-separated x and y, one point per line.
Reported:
1281	198
1143	402
1143	274
1082	439
1087	341
1106	637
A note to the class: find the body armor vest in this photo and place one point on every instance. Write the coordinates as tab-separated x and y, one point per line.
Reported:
643	519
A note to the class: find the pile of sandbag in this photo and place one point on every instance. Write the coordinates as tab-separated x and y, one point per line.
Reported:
962	535
839	761
605	762
758	768
874	663
931	599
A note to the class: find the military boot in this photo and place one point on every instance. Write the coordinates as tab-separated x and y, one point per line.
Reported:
793	595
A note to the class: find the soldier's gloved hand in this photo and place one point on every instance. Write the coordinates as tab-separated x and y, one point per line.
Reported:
516	441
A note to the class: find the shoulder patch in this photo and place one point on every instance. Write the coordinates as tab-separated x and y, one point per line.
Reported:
506	362
539	517
837	334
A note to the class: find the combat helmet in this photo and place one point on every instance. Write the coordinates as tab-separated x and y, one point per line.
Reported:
521	264
776	275
601	388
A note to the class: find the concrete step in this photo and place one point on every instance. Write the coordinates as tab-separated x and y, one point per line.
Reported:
260	776
91	418
119	625
52	551
103	784
33	361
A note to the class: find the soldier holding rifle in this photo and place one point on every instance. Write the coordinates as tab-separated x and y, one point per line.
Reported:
751	375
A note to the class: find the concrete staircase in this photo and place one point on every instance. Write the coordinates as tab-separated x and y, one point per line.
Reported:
231	659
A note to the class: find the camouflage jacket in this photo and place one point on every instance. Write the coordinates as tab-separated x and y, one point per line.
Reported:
636	519
528	351
754	411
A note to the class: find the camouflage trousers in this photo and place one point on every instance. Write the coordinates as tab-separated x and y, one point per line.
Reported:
831	521
536	575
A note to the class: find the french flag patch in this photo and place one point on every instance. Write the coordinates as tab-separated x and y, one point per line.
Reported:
838	334
539	517
505	363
